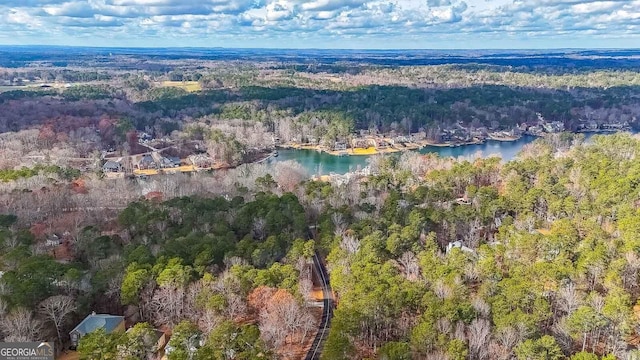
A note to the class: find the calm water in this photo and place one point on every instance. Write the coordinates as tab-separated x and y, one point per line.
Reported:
318	163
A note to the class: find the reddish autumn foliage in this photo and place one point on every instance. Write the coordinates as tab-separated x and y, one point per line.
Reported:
259	297
154	196
78	186
38	230
132	138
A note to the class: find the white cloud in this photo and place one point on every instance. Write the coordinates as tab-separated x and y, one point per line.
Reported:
586	8
429	21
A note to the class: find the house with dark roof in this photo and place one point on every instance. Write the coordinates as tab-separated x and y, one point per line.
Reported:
169	162
109	323
146	162
112	166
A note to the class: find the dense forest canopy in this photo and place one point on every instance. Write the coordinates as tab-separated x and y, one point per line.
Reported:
428	258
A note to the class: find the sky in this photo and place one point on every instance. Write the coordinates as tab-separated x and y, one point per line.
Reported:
341	24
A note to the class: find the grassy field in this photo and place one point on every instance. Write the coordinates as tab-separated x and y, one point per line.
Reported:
368	151
190	86
148	172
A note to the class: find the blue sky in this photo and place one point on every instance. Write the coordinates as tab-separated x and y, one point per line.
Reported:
442	24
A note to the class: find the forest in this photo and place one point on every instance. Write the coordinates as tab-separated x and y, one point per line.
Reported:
78	104
428	258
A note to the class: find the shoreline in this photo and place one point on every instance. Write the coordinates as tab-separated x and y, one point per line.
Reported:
451	144
374	151
603	131
359	152
504	138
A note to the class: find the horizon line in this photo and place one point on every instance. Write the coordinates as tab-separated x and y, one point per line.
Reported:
319	48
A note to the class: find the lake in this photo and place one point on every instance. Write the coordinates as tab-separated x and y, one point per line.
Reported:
320	163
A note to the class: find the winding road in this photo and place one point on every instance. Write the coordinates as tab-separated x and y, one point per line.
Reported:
327	311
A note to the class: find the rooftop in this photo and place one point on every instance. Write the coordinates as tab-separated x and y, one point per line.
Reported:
98	321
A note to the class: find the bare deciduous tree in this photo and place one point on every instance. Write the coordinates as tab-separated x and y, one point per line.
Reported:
56	309
569	298
479	332
20	325
283	320
339	224
259	228
410	266
459	331
289	174
481	306
442	290
437	355
444	326
508	337
305	284
350	244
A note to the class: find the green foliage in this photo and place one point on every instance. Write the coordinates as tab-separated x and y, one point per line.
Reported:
7	175
123	126
174	274
544	348
338	346
21	94
135	278
137	82
276	276
228	338
583	355
33	280
139	342
7	220
184	341
88	92
395	351
98	345
457	350
301	249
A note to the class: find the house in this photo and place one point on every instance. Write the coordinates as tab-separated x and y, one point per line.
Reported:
458	244
109	323
615	125
146	162
360	143
201	160
143	136
535	130
421	135
175	160
169	162
554	126
112	166
340	146
53	241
